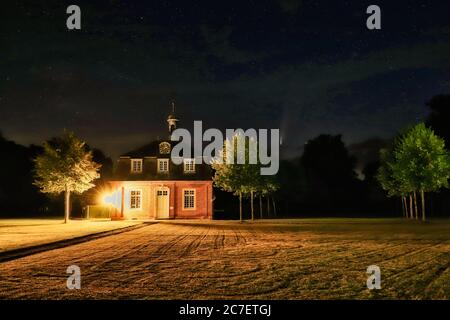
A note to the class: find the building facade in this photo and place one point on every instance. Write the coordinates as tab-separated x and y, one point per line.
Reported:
148	185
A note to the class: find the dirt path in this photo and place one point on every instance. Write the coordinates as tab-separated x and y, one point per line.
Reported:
235	261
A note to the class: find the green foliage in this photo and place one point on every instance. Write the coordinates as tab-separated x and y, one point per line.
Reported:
241	178
417	161
231	177
421	160
65	165
268	185
385	175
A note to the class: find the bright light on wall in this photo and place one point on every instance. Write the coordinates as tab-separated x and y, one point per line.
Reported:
112	198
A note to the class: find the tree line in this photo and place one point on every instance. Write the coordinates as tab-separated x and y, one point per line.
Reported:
21	167
321	181
243	180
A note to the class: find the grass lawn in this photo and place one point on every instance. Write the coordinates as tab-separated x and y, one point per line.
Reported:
20	233
272	259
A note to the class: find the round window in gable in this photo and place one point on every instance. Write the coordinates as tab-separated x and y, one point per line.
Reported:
164	148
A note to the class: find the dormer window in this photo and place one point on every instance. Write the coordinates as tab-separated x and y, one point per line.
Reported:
136	165
163	165
189	165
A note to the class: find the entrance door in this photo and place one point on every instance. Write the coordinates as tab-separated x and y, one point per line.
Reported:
162	203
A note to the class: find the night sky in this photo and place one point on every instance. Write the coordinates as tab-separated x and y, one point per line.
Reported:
306	67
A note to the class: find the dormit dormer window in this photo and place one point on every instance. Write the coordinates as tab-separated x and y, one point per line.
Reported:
136	165
189	165
163	165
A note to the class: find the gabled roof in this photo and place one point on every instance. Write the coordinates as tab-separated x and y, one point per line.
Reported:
149	172
152	150
149	150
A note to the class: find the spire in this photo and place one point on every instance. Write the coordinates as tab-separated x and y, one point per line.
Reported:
172	119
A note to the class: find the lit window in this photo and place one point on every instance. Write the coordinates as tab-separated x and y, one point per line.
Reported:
189	199
136	165
189	165
135	199
162	193
163	165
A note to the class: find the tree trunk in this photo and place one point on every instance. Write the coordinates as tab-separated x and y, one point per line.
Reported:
415	206
405	206
430	201
274	207
251	205
411	209
66	205
422	194
240	206
268	206
260	207
408	214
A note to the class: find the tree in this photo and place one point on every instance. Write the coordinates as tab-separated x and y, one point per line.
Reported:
18	195
106	170
228	176
439	118
243	179
255	183
294	193
389	182
267	185
421	163
250	177
65	166
329	172
101	184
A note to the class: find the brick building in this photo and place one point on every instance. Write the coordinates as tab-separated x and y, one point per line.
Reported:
148	185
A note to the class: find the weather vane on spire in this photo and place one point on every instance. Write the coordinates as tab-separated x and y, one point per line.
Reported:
172	120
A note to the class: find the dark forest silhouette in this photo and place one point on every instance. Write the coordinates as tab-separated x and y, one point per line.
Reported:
19	196
321	182
439	121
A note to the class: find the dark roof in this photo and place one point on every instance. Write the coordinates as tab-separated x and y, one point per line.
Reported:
149	150
149	172
152	150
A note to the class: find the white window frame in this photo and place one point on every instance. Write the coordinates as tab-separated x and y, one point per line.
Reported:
164	192
193	195
139	196
189	165
133	161
159	166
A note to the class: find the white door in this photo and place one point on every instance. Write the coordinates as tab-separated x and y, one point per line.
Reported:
162	203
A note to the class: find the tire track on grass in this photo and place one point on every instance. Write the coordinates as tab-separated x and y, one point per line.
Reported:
195	243
122	250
